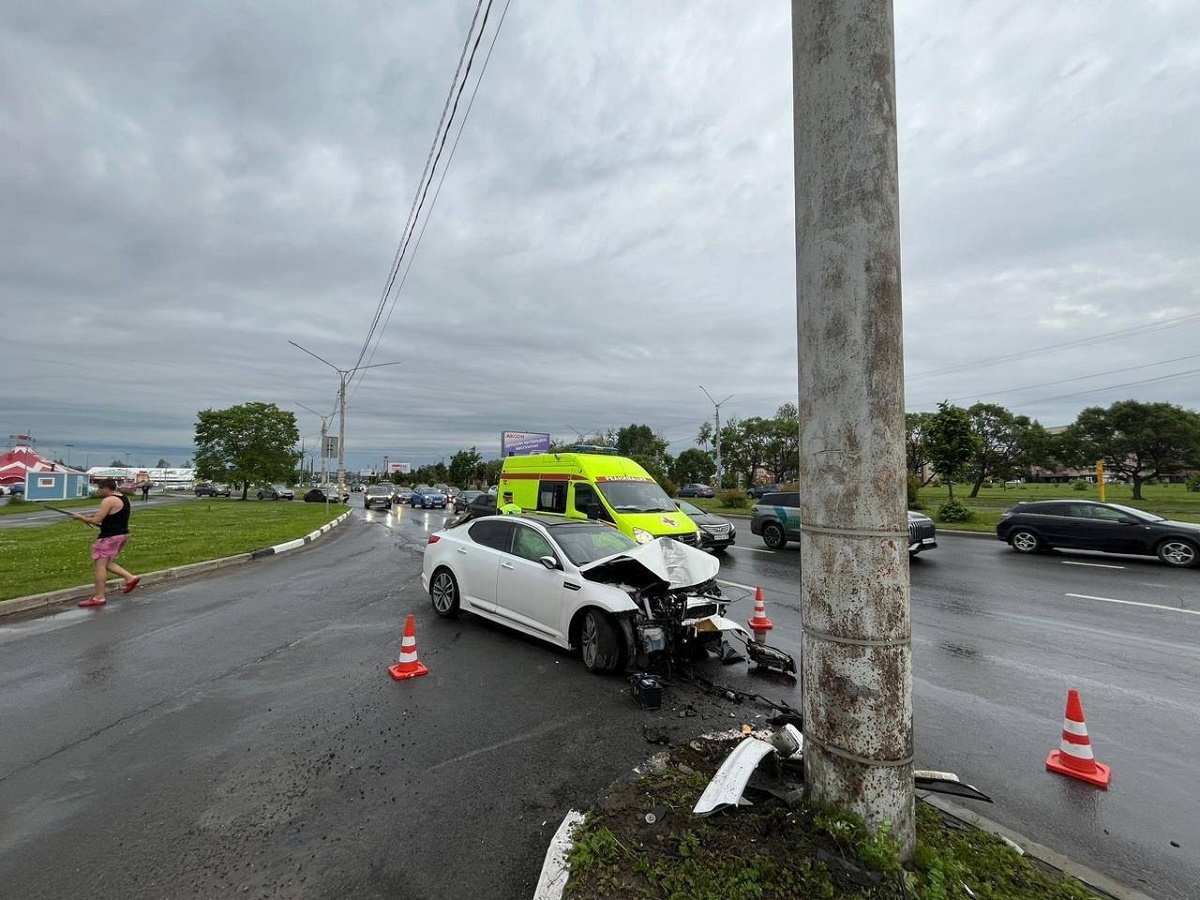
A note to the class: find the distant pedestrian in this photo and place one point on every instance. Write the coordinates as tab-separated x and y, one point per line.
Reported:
113	519
145	490
509	508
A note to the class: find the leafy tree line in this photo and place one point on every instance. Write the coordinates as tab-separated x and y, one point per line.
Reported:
1136	441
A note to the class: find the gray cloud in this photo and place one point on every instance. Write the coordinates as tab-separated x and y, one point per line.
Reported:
188	189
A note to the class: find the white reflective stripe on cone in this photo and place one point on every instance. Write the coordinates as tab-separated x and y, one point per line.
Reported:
1079	751
1077	728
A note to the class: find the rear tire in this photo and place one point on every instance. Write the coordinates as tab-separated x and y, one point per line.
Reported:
1025	541
443	592
773	536
1178	553
598	644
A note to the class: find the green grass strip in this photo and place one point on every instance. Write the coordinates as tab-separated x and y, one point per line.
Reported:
51	557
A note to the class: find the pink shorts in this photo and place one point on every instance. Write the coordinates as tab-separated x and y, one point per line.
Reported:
109	547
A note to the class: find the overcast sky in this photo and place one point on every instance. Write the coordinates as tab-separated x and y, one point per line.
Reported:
188	187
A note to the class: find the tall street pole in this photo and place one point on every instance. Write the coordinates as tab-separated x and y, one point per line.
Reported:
717	438
343	376
857	656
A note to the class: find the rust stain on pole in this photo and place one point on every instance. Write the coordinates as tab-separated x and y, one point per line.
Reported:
856	666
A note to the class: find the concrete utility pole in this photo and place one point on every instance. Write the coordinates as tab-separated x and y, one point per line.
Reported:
856	661
343	376
717	436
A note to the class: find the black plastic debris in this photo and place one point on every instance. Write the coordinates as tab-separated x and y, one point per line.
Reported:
646	690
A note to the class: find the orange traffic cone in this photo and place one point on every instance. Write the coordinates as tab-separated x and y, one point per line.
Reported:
408	666
759	623
1074	755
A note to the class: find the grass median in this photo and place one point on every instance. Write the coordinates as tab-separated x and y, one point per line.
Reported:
34	560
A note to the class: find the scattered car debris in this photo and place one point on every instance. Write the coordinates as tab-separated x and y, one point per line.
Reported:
728	786
646	690
657	814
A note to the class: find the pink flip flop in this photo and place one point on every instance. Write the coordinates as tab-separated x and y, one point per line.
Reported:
131	584
93	601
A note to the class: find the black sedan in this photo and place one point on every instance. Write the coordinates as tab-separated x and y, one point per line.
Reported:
1108	527
697	490
716	533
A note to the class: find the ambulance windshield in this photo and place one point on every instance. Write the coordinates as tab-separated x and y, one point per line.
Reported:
636	496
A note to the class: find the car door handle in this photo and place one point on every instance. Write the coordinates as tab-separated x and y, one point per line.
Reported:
506	565
462	550
570	586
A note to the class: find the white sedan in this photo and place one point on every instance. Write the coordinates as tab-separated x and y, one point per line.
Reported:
579	584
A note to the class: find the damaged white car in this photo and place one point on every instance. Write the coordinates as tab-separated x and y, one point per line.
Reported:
582	585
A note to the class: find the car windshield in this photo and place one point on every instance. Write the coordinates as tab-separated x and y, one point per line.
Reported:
585	542
378	490
1137	513
690	508
636	496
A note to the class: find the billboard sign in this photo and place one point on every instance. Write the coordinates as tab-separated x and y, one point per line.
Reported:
523	443
401	467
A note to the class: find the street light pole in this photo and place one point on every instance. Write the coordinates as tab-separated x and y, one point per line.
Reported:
68	446
343	375
324	435
717	437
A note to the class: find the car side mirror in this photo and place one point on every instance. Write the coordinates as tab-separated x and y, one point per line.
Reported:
549	562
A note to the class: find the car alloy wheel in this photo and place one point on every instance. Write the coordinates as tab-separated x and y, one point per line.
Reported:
773	536
443	591
598	642
1177	552
1025	541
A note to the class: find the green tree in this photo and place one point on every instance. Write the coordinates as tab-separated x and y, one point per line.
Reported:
463	466
783	448
117	464
693	466
246	443
705	435
1136	440
643	446
949	442
998	440
915	424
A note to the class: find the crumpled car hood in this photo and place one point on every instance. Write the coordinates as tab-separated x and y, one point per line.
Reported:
661	561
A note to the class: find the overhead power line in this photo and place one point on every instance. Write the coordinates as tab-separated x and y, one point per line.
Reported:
441	135
1046	384
1079	342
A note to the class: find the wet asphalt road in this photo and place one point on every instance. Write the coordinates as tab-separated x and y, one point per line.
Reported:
998	641
237	734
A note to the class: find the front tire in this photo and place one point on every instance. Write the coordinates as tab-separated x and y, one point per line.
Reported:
1178	553
598	644
773	536
443	592
1024	541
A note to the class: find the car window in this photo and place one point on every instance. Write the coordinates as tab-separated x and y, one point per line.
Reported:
529	544
786	498
1091	511
492	533
690	508
552	496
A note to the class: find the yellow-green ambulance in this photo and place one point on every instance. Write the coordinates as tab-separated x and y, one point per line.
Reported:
592	484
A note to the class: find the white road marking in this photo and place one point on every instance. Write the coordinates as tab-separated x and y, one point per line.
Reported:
1067	562
1190	612
755	549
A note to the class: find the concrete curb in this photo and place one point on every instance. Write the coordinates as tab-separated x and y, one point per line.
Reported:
65	595
554	875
